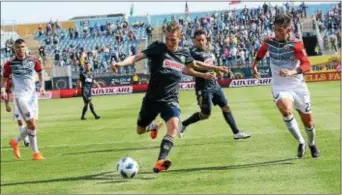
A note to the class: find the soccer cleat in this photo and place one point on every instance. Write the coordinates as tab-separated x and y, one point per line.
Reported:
26	142
161	165
301	150
154	132
97	117
82	118
180	131
314	151
15	146
241	135
37	156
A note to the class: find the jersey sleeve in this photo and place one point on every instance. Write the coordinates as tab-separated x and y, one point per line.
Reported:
301	55
155	49
262	52
37	65
7	71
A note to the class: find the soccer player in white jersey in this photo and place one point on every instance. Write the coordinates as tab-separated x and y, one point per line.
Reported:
288	64
22	68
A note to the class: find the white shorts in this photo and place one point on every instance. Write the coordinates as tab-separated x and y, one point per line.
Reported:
300	96
25	108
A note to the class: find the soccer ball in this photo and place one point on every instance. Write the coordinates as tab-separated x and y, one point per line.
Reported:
127	167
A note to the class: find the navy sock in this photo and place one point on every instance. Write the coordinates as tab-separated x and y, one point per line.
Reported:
165	147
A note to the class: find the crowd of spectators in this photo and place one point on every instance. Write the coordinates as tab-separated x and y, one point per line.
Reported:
112	42
235	36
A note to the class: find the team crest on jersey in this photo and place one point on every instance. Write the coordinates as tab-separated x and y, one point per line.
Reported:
286	48
183	59
173	65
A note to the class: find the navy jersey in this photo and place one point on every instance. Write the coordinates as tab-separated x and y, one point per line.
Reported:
166	71
206	57
87	79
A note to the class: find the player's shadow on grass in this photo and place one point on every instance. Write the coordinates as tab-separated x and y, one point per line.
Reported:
228	167
107	177
137	148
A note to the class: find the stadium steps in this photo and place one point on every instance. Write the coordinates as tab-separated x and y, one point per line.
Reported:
141	66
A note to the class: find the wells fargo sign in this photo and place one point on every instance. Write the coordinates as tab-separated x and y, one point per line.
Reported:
325	63
323	76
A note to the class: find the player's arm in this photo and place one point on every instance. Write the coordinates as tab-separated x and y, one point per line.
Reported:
188	70
304	66
132	59
260	55
97	84
198	65
4	79
38	68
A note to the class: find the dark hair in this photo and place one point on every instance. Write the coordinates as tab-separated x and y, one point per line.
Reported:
283	20
19	41
199	32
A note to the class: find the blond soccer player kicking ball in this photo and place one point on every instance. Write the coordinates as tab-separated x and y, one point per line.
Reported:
288	63
22	68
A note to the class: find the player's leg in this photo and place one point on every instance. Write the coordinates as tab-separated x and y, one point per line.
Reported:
303	106
284	101
220	99
20	122
85	106
204	101
170	113
91	106
26	109
148	112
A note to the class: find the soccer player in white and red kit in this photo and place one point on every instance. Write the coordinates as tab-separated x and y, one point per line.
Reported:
22	68
288	64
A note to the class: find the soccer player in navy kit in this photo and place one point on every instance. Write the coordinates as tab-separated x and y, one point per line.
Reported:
208	91
86	82
168	63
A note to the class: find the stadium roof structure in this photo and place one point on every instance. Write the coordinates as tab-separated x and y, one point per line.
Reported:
97	16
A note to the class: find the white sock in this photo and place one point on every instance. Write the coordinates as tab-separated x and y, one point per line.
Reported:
33	140
22	135
311	135
292	126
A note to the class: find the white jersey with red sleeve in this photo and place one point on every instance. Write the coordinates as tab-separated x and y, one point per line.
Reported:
285	55
23	75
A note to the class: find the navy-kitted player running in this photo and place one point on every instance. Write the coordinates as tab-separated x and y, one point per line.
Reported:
86	82
209	91
168	62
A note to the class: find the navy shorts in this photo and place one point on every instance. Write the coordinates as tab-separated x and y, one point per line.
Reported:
205	99
150	110
86	95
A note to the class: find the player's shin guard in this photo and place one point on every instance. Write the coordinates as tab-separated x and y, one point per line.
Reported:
92	109
292	126
311	135
85	109
228	116
165	147
33	140
192	119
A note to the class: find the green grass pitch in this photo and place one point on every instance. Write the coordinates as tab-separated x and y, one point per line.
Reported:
81	155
